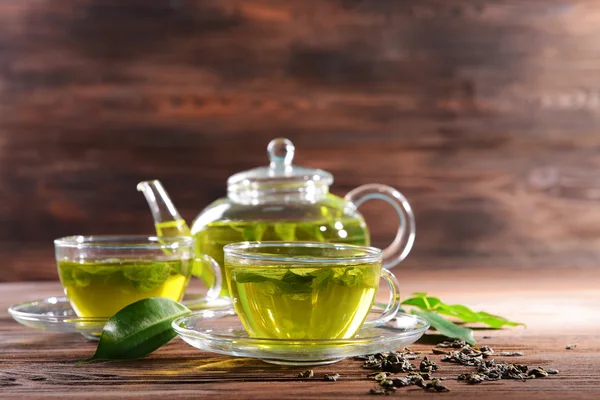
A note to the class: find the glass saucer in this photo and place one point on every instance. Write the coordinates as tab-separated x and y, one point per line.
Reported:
56	314
222	332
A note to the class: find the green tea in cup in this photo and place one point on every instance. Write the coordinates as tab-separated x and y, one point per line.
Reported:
103	274
305	290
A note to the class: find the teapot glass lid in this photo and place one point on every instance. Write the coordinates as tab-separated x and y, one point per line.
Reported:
280	172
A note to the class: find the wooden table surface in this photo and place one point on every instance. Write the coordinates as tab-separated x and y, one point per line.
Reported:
559	308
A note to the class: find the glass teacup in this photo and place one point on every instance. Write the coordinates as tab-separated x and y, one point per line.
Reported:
103	274
306	290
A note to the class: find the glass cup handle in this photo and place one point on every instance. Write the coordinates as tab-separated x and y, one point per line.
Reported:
393	303
214	291
403	242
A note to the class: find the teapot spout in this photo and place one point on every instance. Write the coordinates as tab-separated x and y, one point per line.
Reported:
167	220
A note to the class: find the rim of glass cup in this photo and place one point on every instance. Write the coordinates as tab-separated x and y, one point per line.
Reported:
124	242
240	251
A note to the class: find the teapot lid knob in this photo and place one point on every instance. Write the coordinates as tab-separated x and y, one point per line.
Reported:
280	176
281	152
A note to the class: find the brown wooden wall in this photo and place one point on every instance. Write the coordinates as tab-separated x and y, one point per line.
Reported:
485	114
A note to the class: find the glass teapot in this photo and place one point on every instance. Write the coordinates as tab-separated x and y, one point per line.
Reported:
281	202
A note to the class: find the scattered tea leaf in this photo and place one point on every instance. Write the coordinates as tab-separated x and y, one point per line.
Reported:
425	375
511	354
408	351
378	390
306	374
462	353
427	365
138	329
538	372
435	386
401	382
472	378
466	356
456	344
487	351
396	363
417	380
393	362
379	376
386	383
332	377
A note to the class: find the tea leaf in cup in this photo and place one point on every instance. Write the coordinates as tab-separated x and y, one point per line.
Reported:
305	281
139	329
350	277
148	278
294	278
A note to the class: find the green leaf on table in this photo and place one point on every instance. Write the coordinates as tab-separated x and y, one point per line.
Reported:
445	327
423	302
138	329
467	315
459	311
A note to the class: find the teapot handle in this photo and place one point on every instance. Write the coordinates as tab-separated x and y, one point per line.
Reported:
403	242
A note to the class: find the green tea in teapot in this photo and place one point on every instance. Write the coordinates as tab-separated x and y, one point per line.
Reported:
211	239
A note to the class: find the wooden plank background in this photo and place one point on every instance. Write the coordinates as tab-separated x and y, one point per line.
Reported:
483	113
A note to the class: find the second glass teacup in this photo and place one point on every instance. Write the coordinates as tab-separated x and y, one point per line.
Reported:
306	290
103	274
